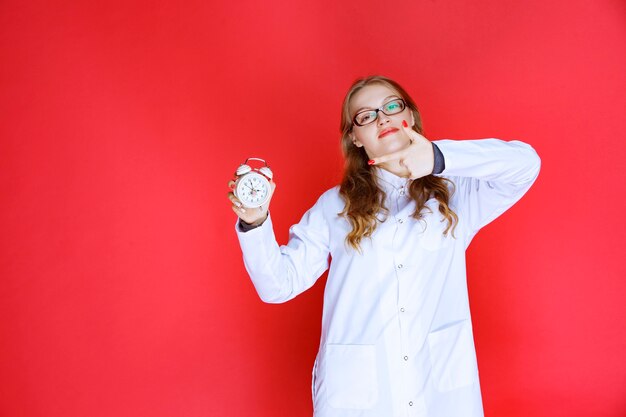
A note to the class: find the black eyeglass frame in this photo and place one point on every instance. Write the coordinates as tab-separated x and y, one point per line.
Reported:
380	109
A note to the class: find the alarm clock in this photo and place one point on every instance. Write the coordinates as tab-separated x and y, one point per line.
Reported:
252	186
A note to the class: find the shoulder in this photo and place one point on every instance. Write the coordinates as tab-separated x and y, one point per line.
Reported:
331	194
330	201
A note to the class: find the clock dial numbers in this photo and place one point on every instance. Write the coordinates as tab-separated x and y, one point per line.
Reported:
253	190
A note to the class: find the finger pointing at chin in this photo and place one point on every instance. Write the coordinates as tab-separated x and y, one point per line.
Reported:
409	131
412	134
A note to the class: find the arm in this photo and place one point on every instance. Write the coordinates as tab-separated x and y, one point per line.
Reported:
492	176
280	273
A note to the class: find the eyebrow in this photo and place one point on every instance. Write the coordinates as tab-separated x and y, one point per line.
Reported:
364	108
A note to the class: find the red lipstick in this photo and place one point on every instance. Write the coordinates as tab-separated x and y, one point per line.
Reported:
388	131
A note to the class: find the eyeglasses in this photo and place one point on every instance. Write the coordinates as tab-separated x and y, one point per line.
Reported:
390	108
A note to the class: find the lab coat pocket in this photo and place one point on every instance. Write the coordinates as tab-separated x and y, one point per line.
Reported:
452	356
433	225
351	375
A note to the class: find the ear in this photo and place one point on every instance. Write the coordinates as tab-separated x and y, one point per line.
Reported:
356	142
412	120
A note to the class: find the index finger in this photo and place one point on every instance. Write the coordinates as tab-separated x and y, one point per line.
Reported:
388	157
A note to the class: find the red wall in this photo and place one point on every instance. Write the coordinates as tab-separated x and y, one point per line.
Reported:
122	290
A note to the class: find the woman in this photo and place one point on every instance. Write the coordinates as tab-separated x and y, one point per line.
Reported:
396	329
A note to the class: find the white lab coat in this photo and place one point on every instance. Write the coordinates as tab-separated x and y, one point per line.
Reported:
396	328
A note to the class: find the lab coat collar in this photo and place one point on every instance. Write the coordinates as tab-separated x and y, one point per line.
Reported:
390	182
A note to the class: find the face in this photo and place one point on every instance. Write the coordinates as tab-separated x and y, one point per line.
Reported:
385	134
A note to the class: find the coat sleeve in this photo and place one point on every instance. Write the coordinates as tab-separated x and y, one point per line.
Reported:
490	175
280	273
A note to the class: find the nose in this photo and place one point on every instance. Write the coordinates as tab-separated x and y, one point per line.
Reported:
383	118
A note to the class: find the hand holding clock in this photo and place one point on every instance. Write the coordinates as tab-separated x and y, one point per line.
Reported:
251	192
256	215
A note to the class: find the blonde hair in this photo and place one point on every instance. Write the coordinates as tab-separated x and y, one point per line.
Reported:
363	198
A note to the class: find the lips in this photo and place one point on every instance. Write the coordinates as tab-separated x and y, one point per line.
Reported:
387	132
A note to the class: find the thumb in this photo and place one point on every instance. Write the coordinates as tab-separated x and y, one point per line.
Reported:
386	158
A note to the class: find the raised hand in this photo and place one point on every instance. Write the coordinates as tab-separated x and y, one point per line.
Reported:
415	161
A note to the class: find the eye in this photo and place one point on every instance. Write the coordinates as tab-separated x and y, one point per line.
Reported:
365	117
393	106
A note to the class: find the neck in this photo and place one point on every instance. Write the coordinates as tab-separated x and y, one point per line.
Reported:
395	168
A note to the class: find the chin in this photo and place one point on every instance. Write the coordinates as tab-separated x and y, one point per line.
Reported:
395	146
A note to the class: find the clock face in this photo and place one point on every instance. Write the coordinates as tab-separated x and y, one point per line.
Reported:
253	190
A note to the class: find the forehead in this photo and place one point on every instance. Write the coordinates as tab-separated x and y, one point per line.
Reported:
371	96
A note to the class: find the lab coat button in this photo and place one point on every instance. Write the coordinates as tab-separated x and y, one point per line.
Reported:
410	403
400	221
402	309
400	266
406	358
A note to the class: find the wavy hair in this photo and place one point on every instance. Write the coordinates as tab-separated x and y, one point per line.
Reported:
363	198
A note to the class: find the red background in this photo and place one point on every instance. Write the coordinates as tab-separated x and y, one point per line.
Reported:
122	289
